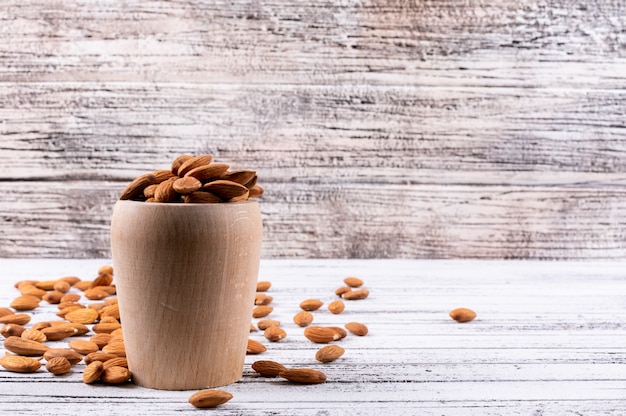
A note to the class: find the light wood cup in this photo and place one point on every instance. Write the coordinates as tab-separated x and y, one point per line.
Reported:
186	277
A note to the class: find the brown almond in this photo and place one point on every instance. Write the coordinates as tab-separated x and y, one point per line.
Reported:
5	311
58	332
30	290
115	375
12	330
135	188
25	347
116	348
340	331
303	318
16	318
25	303
263	286
356	294
262	299
311	304
252	182
62	286
107	268
263	324
177	163
83	347
103	279
106	328
58	366
116	362
209	398
162	175
41	325
19	364
70	355
321	335
274	333
193	162
329	353
344	289
225	189
101	339
34	335
93	371
267	368
83	285
255	347
80	329
336	307
207	173
165	191
241	176
70	297
186	185
54	297
83	316
45	285
72	280
462	314
304	376
261	311
201	197
353	281
357	328
256	191
112	311
98	356
96	293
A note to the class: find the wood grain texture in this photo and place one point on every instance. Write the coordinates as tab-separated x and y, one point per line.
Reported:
378	128
548	338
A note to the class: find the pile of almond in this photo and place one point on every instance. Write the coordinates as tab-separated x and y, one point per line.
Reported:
194	179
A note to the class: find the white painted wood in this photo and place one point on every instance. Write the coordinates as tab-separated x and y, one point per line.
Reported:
550	337
393	129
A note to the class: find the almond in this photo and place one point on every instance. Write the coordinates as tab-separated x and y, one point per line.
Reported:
106	269
70	355
98	356
26	347
225	189
14	330
303	318
353	281
96	293
261	311
58	366
321	335
33	335
80	329
115	375
112	311
255	347
136	187
101	339
31	290
83	316
16	318
329	353
177	163
207	173
19	364
262	299
165	191
5	311
267	368
344	289
340	331
240	176
274	333
83	347
256	191
193	162
357	328
53	298
162	175
25	303
45	285
209	398
266	323
304	376
462	314
116	362
311	304
336	307
83	285
93	371
58	332
62	286
72	280
201	197
41	325
106	328
263	286
187	185
103	279
356	294
116	348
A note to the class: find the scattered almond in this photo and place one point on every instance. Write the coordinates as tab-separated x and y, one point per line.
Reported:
353	281
9	330
261	311
329	353
34	335
303	318
304	375
321	335
58	366
263	324
267	368
16	318
115	375
356	294
311	304
336	307
83	316
25	303
263	286
262	299
83	347
462	314
255	347
357	328
93	371
274	333
70	355
19	364
25	347
209	398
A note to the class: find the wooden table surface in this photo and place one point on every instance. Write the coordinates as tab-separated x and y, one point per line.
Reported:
550	338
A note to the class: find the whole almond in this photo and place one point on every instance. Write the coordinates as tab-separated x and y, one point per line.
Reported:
209	398
207	173
31	290
177	163
240	176
225	189
80	329
70	297
106	328
462	314
303	318
116	362
58	332
356	294
165	191
340	291
19	364
304	375
6	311
162	175
261	311
256	191
187	185
353	281
336	307
262	299
201	197
58	366
9	330
135	188
115	375
103	279
25	303
34	335
83	347
93	371
329	353
83	316
311	304
267	368
72	280
83	285
357	328
110	311
115	348
263	286
96	293
62	286
340	331
98	356
101	339
53	298
263	324
321	335
16	318
25	347
193	162
274	333
45	285
255	347
70	355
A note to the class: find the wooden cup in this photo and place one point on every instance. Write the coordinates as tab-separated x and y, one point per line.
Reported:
186	277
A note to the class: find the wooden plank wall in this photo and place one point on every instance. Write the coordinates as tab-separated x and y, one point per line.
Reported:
379	128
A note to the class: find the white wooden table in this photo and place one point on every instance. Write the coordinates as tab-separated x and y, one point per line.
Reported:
550	338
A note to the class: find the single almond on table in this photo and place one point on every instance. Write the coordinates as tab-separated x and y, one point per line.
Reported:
209	398
62	286
356	294
58	366
72	280
25	303
304	375
303	318
53	298
106	328
274	333
321	334
93	371
329	353
115	375
14	330
16	318
267	368
255	347
83	346
462	314
25	347
31	290
261	311
357	328
70	297
58	332
263	324
19	364
353	281
311	304
96	293
45	284
336	307
262	299
263	286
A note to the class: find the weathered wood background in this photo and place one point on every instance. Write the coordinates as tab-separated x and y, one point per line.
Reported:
379	128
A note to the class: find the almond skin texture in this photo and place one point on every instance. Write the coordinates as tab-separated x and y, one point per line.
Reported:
115	375
70	355
263	286
353	281
303	318
255	347
25	347
274	334
357	328
58	366
34	335
16	318
261	311
83	347
19	364
136	187
83	316
311	304
262	299
12	330
263	324
356	294
267	368
336	307
209	398
200	197
116	362
329	353
193	162
225	189
187	185
58	332
92	372
304	376
462	314
25	303
321	335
